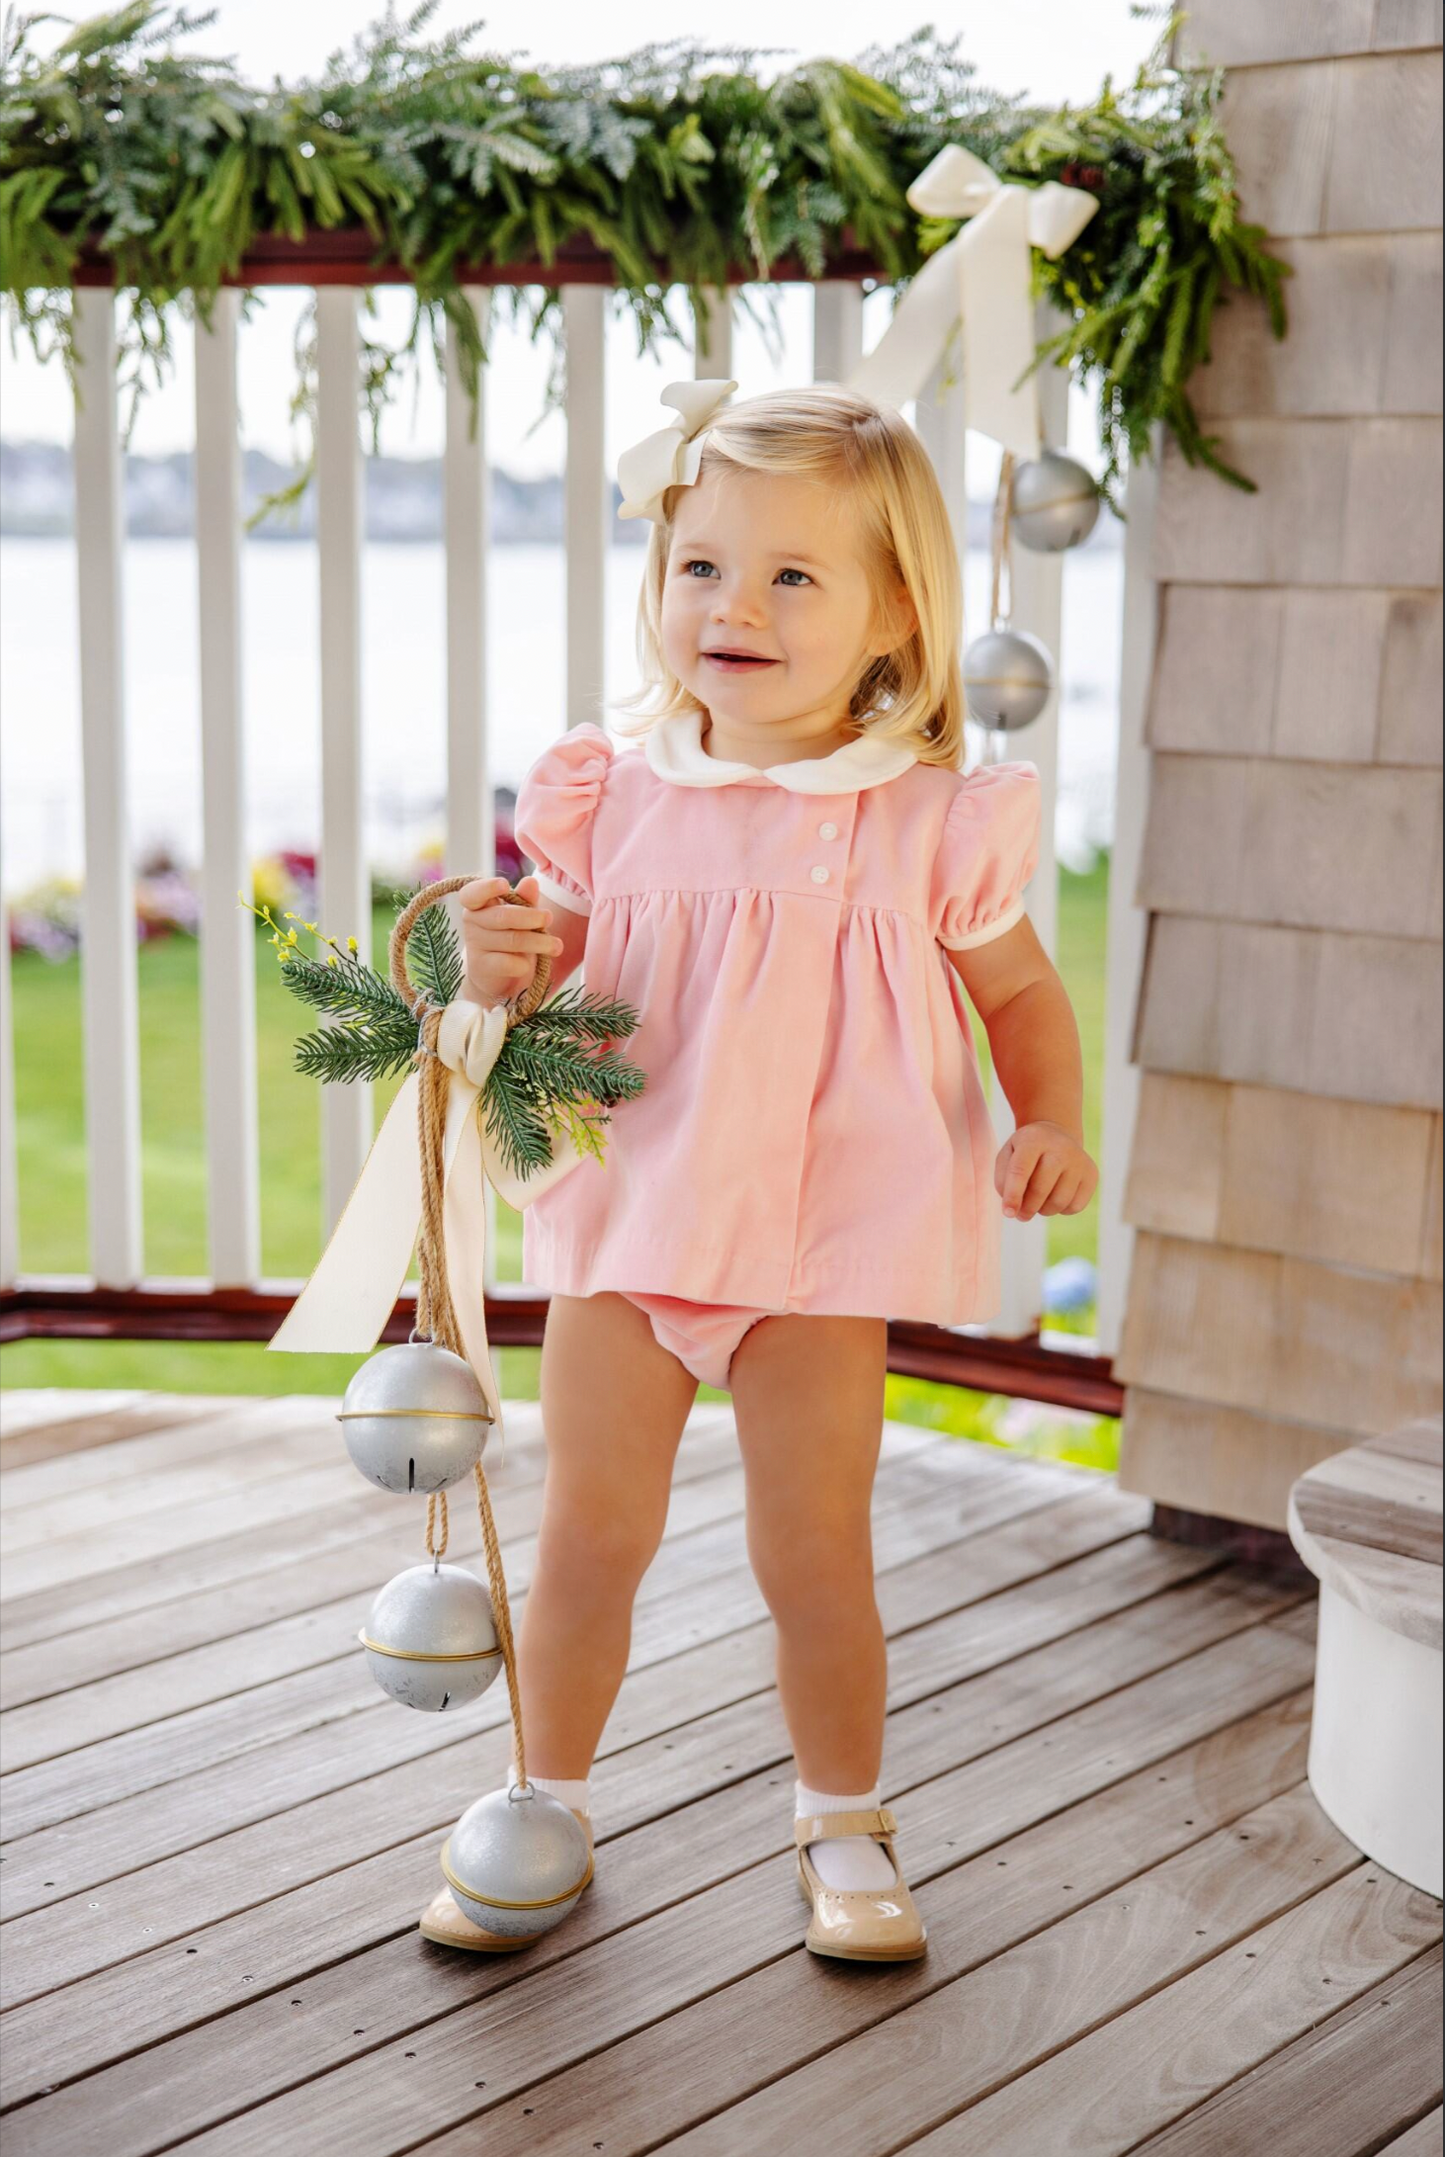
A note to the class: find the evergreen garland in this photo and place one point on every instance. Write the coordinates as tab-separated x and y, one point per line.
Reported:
676	160
556	1071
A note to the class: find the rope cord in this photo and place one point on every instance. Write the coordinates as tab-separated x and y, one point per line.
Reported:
436	1318
1001	543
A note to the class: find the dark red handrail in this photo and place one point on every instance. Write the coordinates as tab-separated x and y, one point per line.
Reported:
65	1308
349	257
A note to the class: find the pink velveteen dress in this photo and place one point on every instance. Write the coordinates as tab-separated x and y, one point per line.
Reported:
813	1135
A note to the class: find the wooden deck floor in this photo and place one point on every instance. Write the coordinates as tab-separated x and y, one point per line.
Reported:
1144	1934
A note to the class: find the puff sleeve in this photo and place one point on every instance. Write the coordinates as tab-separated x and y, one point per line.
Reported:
988	852
556	807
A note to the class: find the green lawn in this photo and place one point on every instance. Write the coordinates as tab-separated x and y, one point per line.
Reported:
52	1180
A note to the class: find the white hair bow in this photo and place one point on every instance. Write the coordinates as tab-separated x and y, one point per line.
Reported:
981	277
671	457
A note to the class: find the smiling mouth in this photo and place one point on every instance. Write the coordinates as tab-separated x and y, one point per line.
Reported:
737	662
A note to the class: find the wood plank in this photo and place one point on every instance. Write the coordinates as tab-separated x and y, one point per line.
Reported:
1218	33
374	1900
1363	333
1340	502
1127	928
1389	103
1296	1008
1265	1169
98	1419
700	1571
1330	694
1236	2010
1253	839
205	1434
312	1836
1410	686
1425	2139
151	1677
1215	684
1307	142
59	1768
678	1955
265	1598
111	1032
1279	124
113	1514
24	1408
1227	1462
1281	1337
1376	1500
227	939
344	881
1072	1845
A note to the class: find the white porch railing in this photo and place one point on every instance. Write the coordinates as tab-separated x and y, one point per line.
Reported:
112	1087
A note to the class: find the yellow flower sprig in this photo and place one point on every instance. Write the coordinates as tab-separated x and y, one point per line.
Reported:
286	941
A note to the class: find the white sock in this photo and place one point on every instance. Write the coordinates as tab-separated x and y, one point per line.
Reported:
846	1861
576	1793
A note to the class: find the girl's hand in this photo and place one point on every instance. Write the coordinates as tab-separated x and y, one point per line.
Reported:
1042	1169
502	942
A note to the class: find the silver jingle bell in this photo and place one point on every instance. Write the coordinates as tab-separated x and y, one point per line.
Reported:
1007	677
516	1861
429	1638
415	1418
1054	503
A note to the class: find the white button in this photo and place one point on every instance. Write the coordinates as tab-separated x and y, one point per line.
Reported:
827	831
820	874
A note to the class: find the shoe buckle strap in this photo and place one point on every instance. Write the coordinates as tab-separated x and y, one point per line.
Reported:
820	1826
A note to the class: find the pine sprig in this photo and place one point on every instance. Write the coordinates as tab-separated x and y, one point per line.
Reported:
556	1071
679	161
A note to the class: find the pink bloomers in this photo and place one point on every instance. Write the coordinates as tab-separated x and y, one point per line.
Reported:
703	1336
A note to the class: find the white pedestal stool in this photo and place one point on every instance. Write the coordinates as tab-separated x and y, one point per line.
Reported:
1367	1524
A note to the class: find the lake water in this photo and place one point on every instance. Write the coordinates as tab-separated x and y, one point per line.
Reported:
403	694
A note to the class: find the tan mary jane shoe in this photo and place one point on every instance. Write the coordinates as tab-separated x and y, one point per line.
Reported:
443	1922
865	1924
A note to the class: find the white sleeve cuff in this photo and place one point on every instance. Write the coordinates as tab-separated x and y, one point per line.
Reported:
558	895
999	926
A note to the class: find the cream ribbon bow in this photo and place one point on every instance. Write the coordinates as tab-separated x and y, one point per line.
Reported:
354	1287
671	457
981	277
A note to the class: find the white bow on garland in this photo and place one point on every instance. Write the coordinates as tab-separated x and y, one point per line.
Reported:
356	1282
981	277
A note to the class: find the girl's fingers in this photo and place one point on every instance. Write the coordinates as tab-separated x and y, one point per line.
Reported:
481	891
1038	1188
1022	1154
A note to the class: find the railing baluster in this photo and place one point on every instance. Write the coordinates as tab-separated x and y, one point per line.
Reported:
837	329
108	962
466	503
716	320
1038	606
587	499
345	890
9	1188
1128	922
228	965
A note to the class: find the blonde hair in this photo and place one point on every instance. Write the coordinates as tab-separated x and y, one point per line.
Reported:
914	694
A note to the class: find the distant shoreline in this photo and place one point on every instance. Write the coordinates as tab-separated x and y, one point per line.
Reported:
403	501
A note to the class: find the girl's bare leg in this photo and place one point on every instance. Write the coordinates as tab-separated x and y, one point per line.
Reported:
808	1396
614	1404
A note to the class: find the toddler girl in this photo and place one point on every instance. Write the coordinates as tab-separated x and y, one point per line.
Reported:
794	883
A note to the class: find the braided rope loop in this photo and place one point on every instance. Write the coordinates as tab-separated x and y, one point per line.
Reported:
436	1318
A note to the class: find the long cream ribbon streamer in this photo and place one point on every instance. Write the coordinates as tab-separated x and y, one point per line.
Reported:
980	279
355	1284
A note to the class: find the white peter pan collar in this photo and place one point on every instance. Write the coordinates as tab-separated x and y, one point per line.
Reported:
674	750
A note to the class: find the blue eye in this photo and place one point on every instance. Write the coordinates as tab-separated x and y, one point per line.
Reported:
688	567
796	573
